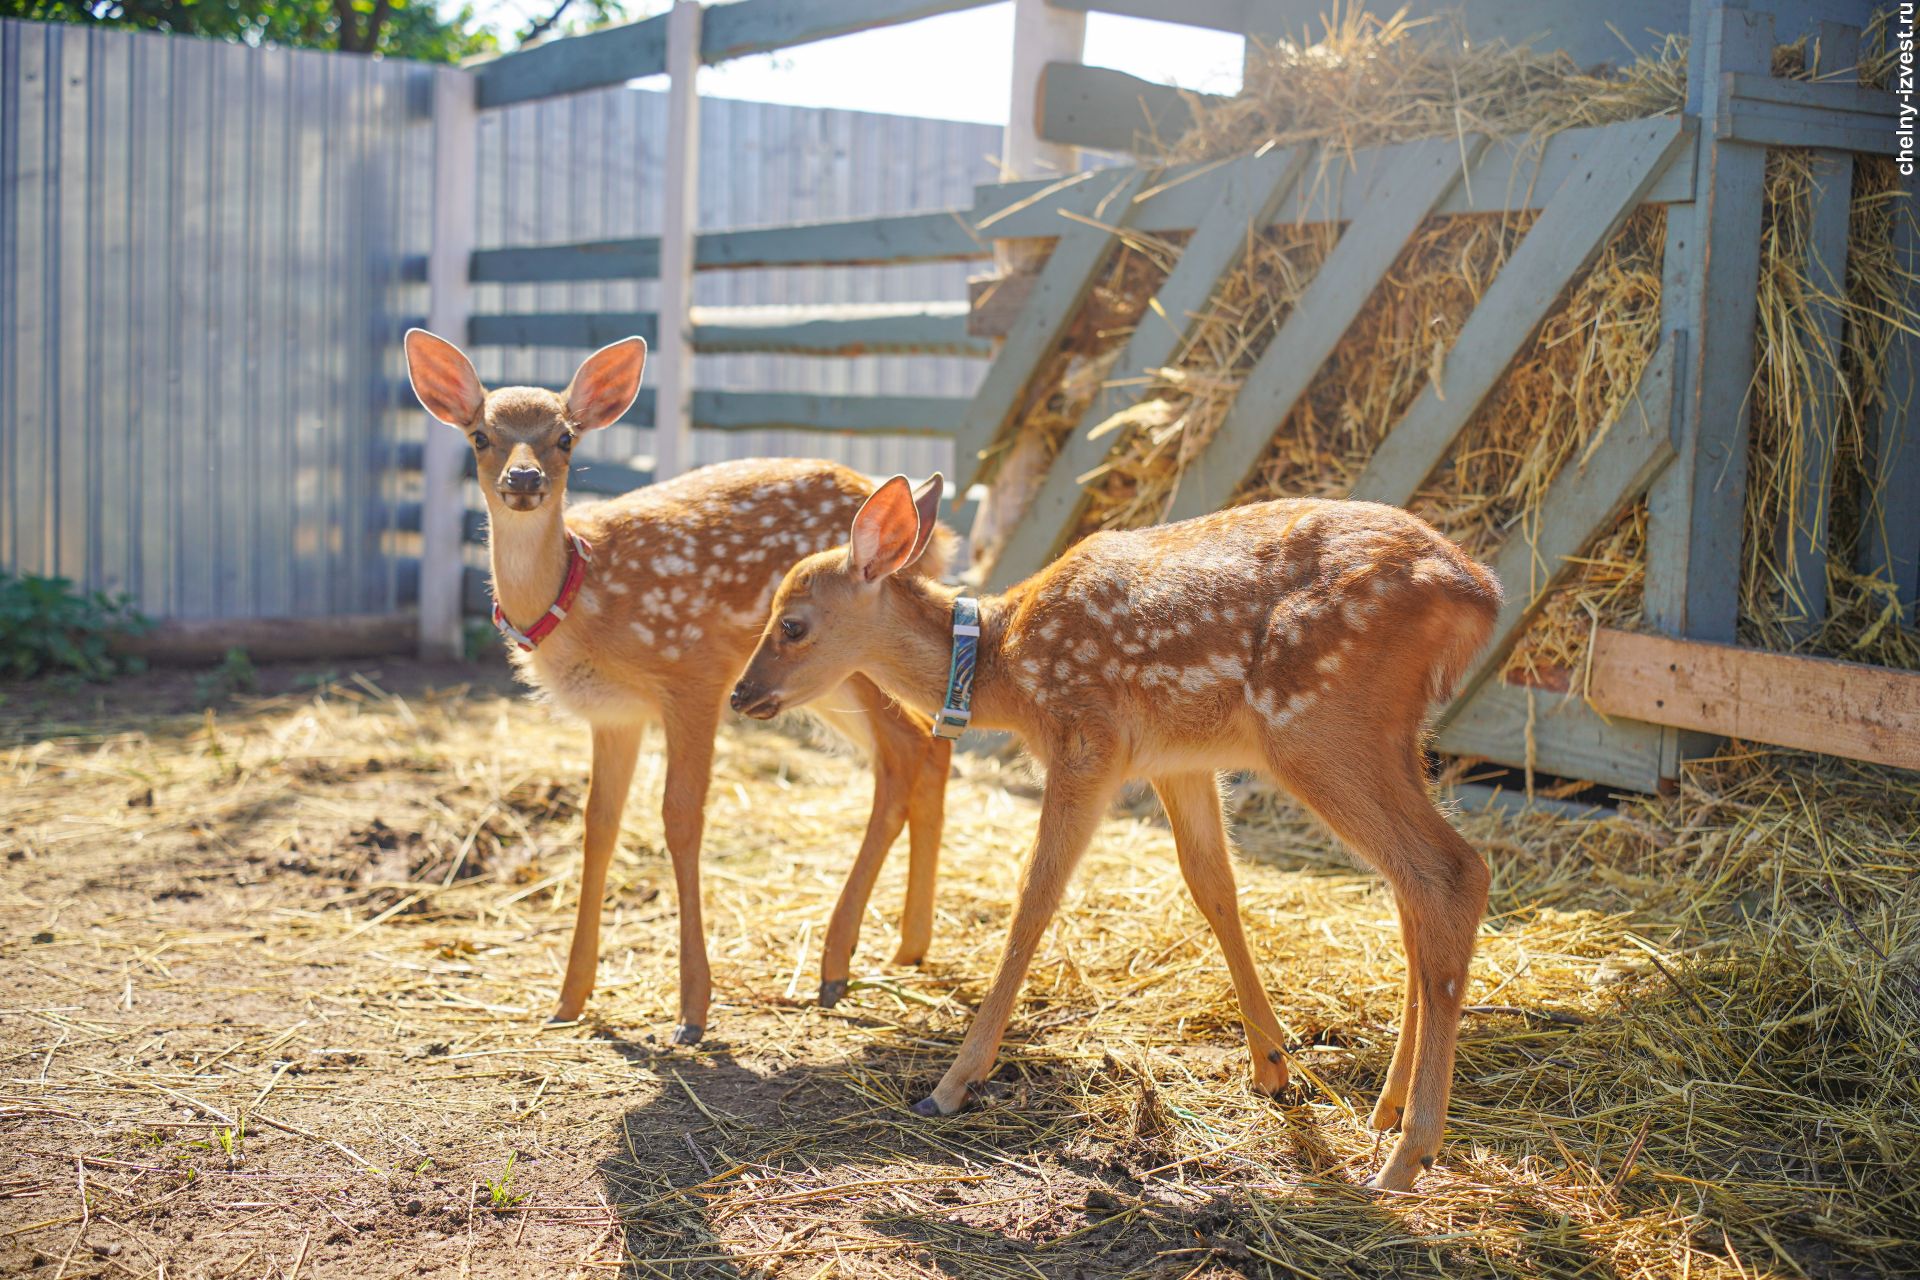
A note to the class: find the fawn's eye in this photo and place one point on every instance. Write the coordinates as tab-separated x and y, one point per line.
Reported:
793	628
566	441
480	441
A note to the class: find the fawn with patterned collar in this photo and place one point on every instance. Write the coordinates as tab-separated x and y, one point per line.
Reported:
645	608
1304	639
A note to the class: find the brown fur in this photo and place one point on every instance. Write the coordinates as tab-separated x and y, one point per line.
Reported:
1300	638
675	594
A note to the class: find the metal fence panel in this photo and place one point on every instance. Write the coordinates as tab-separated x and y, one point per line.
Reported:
200	298
203	260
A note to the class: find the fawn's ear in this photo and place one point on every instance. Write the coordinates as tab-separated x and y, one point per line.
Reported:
444	379
926	508
884	532
604	386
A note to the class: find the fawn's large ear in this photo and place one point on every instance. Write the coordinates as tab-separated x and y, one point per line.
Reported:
926	508
884	532
605	385
444	379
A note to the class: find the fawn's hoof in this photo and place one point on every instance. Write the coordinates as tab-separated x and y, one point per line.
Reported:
830	992
926	1108
687	1033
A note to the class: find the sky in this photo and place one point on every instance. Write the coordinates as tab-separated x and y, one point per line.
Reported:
953	67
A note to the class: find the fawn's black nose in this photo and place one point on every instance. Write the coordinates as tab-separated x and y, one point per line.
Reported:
523	480
752	700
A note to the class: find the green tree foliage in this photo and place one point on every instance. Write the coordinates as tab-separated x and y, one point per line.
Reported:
392	28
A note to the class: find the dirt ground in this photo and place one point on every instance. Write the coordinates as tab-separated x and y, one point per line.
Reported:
277	965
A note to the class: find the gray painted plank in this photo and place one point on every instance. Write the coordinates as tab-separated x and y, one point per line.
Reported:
1581	503
1105	203
1763	124
1214	15
1891	548
1588	207
896	240
1393	209
1569	739
934	328
760	26
600	59
1110	110
1248	196
1511	174
1696	510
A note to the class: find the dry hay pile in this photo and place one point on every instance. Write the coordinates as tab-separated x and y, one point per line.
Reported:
277	975
1373	81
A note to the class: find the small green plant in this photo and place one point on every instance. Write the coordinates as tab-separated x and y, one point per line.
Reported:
48	626
235	674
500	1190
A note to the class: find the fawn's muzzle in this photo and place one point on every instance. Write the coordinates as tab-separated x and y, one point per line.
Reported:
523	480
752	700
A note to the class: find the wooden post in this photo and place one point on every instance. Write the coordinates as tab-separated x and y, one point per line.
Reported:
1041	34
443	453
670	365
1696	510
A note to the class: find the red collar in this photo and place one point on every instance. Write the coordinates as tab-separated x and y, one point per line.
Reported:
578	553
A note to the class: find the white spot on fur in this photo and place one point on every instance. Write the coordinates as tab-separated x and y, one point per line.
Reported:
644	631
1331	662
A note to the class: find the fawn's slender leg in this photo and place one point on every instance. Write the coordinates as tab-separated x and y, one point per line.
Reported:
1393	1094
926	816
1440	886
895	761
1069	812
614	750
1192	802
690	728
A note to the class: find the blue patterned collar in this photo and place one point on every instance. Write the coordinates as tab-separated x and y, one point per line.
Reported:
957	708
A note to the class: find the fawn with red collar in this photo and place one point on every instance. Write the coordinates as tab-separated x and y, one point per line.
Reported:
645	608
1304	639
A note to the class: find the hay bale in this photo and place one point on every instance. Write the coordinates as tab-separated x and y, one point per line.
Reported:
1375	80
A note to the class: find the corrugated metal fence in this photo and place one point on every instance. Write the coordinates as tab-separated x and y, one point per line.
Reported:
208	254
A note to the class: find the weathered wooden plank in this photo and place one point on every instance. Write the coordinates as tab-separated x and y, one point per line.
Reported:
1256	184
1890	549
1589	206
1582	503
795	411
1511	174
1810	704
1800	540
561	328
1395	205
1567	738
1110	110
603	58
760	26
1696	511
856	242
591	61
1765	124
1105	204
880	329
1821	95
